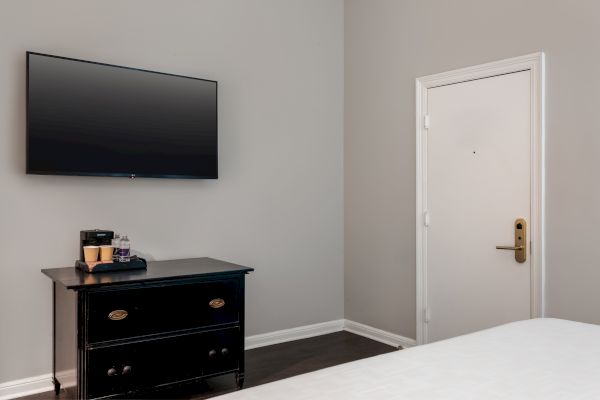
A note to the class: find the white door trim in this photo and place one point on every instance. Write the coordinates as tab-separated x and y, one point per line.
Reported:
535	64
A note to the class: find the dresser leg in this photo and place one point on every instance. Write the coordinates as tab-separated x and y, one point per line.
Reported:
56	386
239	379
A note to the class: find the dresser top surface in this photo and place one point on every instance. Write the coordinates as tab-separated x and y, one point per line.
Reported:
73	278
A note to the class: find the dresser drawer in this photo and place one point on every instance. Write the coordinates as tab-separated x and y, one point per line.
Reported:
119	314
127	368
221	351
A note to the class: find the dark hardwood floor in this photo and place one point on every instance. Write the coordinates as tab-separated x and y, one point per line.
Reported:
271	363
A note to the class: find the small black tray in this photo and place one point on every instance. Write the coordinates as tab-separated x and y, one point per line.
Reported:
135	263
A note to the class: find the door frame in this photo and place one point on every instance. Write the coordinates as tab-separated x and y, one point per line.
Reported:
536	64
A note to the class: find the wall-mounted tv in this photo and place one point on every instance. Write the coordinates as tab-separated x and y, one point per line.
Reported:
89	118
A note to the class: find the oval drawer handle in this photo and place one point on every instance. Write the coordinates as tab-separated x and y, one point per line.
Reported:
216	303
117	315
126	370
111	372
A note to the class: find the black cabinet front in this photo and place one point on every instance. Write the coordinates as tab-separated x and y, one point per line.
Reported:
123	333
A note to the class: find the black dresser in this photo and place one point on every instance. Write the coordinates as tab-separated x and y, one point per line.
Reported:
122	333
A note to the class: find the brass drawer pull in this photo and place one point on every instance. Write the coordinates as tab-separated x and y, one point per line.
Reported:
117	315
216	303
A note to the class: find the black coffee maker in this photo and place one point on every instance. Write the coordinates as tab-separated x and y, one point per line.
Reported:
94	237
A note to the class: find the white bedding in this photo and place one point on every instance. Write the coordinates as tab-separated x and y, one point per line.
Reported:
535	359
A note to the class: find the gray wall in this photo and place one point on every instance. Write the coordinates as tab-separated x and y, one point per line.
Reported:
277	205
390	43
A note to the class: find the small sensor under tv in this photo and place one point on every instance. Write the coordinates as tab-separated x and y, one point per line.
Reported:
93	119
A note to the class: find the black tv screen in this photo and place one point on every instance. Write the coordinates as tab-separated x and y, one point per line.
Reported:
88	118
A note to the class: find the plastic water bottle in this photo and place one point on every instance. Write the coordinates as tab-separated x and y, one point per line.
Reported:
116	245
124	249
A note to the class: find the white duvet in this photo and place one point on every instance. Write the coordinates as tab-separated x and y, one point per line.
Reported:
535	359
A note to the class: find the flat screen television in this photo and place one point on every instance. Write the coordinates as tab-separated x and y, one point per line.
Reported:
89	118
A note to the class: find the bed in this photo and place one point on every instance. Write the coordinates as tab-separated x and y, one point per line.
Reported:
534	359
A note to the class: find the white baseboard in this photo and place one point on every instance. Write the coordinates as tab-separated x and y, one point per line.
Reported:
43	383
26	386
379	335
287	335
303	332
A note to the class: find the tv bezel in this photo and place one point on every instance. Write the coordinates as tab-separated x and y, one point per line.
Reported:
132	174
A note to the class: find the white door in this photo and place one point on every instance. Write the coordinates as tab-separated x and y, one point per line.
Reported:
478	184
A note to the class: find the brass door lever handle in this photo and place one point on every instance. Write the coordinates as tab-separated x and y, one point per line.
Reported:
520	247
510	247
